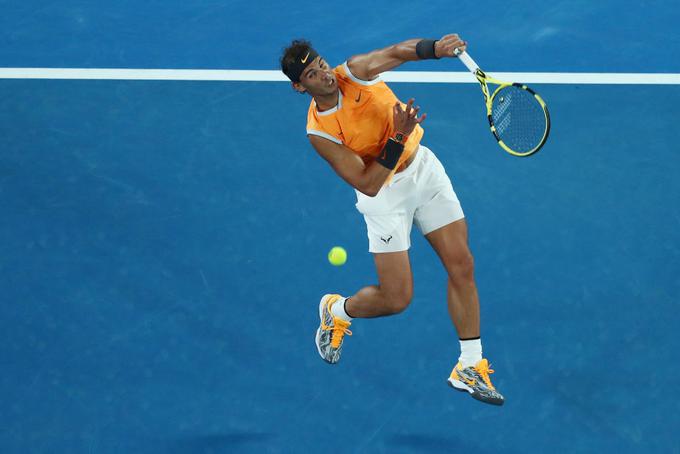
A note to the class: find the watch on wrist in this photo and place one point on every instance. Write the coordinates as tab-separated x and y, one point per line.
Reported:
399	137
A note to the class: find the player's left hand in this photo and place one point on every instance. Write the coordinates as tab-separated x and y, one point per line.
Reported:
447	44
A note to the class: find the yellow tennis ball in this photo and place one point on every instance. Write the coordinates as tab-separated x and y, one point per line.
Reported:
337	256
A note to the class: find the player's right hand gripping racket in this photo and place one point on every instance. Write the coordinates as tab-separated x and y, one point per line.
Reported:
518	117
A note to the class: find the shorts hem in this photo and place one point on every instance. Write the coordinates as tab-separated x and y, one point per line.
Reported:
373	251
443	224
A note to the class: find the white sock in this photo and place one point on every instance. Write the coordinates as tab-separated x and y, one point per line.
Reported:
338	310
470	352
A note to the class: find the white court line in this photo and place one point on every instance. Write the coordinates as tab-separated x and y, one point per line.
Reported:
391	76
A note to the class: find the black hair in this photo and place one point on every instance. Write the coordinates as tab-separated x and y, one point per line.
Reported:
297	49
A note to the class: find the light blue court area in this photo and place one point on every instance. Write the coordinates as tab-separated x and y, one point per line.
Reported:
163	243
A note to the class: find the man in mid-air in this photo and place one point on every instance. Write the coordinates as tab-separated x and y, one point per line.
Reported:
373	142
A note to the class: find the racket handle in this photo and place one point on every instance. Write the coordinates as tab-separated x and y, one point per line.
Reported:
468	61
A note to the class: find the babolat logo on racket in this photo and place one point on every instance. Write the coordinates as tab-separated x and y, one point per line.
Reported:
499	110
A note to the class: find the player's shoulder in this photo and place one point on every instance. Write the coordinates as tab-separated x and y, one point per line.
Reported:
352	70
312	112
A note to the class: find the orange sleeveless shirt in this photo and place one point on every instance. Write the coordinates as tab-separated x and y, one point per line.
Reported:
363	119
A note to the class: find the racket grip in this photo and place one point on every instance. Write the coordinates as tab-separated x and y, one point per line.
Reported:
468	61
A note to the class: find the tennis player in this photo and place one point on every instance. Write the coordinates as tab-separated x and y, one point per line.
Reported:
373	142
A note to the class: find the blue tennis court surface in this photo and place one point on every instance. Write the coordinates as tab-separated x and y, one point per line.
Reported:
163	243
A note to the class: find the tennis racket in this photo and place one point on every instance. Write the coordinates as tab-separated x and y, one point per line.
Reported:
518	117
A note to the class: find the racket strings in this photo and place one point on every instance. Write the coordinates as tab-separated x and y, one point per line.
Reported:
519	119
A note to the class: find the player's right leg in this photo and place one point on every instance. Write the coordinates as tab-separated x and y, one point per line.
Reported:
388	224
393	293
391	296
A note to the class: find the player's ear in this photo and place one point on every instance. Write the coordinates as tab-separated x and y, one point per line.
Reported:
298	87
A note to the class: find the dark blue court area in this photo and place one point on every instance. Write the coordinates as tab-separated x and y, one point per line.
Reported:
163	243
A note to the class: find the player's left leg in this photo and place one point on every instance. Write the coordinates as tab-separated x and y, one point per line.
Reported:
440	217
471	373
451	245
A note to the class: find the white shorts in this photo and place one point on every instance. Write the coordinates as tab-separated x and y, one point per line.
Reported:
422	194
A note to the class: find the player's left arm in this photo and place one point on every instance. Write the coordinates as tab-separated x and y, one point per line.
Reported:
368	66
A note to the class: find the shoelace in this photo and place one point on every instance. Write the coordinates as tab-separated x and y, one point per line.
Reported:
338	331
484	370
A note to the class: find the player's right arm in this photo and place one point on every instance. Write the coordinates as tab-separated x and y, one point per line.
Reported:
367	179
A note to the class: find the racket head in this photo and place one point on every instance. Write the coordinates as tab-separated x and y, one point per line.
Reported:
519	119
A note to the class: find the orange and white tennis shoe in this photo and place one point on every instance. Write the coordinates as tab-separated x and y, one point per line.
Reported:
476	381
332	330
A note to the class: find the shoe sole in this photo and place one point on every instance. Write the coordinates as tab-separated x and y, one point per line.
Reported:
462	387
318	331
459	386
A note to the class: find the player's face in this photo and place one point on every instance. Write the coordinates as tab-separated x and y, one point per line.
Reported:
318	78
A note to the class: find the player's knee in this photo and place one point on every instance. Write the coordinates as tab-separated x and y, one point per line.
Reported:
398	301
462	268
